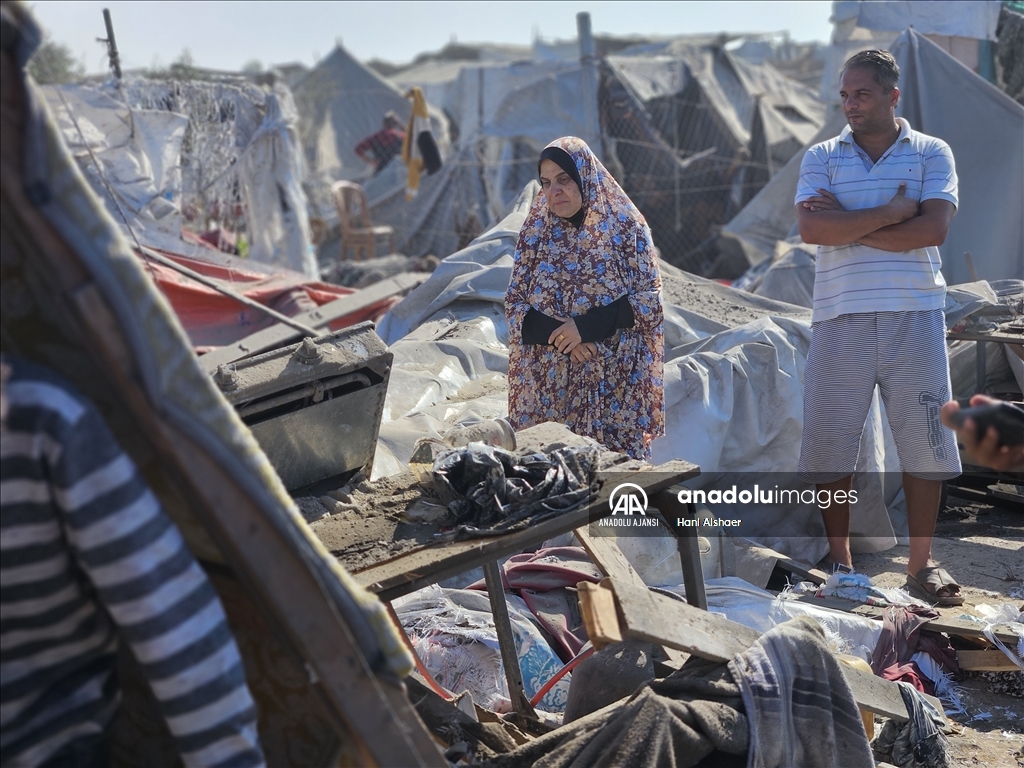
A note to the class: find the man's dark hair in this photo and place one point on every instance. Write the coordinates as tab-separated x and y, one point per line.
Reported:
882	65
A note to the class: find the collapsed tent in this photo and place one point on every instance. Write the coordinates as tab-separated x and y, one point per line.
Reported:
691	132
157	150
982	125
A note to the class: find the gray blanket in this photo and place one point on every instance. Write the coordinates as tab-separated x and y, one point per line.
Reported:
798	703
691	718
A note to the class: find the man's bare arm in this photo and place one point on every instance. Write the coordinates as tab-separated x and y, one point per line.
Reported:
822	221
929	227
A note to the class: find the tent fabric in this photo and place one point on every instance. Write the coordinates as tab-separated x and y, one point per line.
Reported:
137	138
983	127
977	19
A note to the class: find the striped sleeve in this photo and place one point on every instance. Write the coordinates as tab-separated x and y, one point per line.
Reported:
813	174
163	604
940	182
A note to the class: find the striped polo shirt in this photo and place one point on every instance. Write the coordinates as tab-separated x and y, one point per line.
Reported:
88	559
858	278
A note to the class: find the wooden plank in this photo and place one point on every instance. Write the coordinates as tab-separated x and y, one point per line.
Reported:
409	572
608	557
613	563
985	661
649	616
597	606
319	318
951	625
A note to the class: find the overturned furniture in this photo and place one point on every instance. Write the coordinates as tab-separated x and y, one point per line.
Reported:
314	407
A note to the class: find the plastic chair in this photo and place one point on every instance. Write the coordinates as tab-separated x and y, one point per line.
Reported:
358	235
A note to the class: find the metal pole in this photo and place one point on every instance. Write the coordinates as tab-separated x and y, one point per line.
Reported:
588	64
112	54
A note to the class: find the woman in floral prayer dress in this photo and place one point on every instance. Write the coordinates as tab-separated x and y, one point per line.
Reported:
586	328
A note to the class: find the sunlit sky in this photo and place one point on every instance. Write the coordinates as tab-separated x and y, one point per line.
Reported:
227	35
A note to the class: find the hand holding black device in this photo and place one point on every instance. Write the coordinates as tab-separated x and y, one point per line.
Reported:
1007	418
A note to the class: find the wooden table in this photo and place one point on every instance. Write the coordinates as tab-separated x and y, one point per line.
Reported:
1008	333
411	571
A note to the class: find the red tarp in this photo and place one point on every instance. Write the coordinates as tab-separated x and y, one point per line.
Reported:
212	319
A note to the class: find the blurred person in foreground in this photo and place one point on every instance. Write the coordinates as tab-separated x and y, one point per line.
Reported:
586	328
878	200
91	560
985	449
378	148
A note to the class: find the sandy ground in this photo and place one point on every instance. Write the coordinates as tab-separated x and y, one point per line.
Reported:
983	548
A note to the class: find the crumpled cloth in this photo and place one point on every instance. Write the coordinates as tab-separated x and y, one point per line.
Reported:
911	674
542	579
902	637
799	705
917	743
491	491
695	713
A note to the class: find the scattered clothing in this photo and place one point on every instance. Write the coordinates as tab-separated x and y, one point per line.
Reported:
689	717
917	743
543	580
90	557
902	636
911	674
491	491
611	674
798	703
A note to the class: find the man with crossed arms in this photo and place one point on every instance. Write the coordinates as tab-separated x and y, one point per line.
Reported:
878	200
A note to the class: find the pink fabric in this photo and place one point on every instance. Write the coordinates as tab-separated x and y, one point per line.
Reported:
902	636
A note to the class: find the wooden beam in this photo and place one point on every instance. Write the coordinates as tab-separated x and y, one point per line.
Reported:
951	625
656	618
507	641
985	661
278	335
609	558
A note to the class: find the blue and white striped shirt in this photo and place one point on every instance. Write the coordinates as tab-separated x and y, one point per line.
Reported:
858	278
88	556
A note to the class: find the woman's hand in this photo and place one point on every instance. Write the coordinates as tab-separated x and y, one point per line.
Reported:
566	337
583	352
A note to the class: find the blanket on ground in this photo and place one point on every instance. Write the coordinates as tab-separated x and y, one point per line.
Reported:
798	703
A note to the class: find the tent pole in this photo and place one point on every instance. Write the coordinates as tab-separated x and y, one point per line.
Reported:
588	63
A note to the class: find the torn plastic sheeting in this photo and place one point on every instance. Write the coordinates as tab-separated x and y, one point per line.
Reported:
453	632
492	491
761	610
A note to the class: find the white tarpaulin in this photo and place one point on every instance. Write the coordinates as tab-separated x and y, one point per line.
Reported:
138	149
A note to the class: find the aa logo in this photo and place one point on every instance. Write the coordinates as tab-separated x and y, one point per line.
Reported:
628	499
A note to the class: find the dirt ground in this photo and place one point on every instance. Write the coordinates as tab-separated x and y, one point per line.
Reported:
983	548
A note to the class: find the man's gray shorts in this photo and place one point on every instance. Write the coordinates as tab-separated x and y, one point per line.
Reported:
904	354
